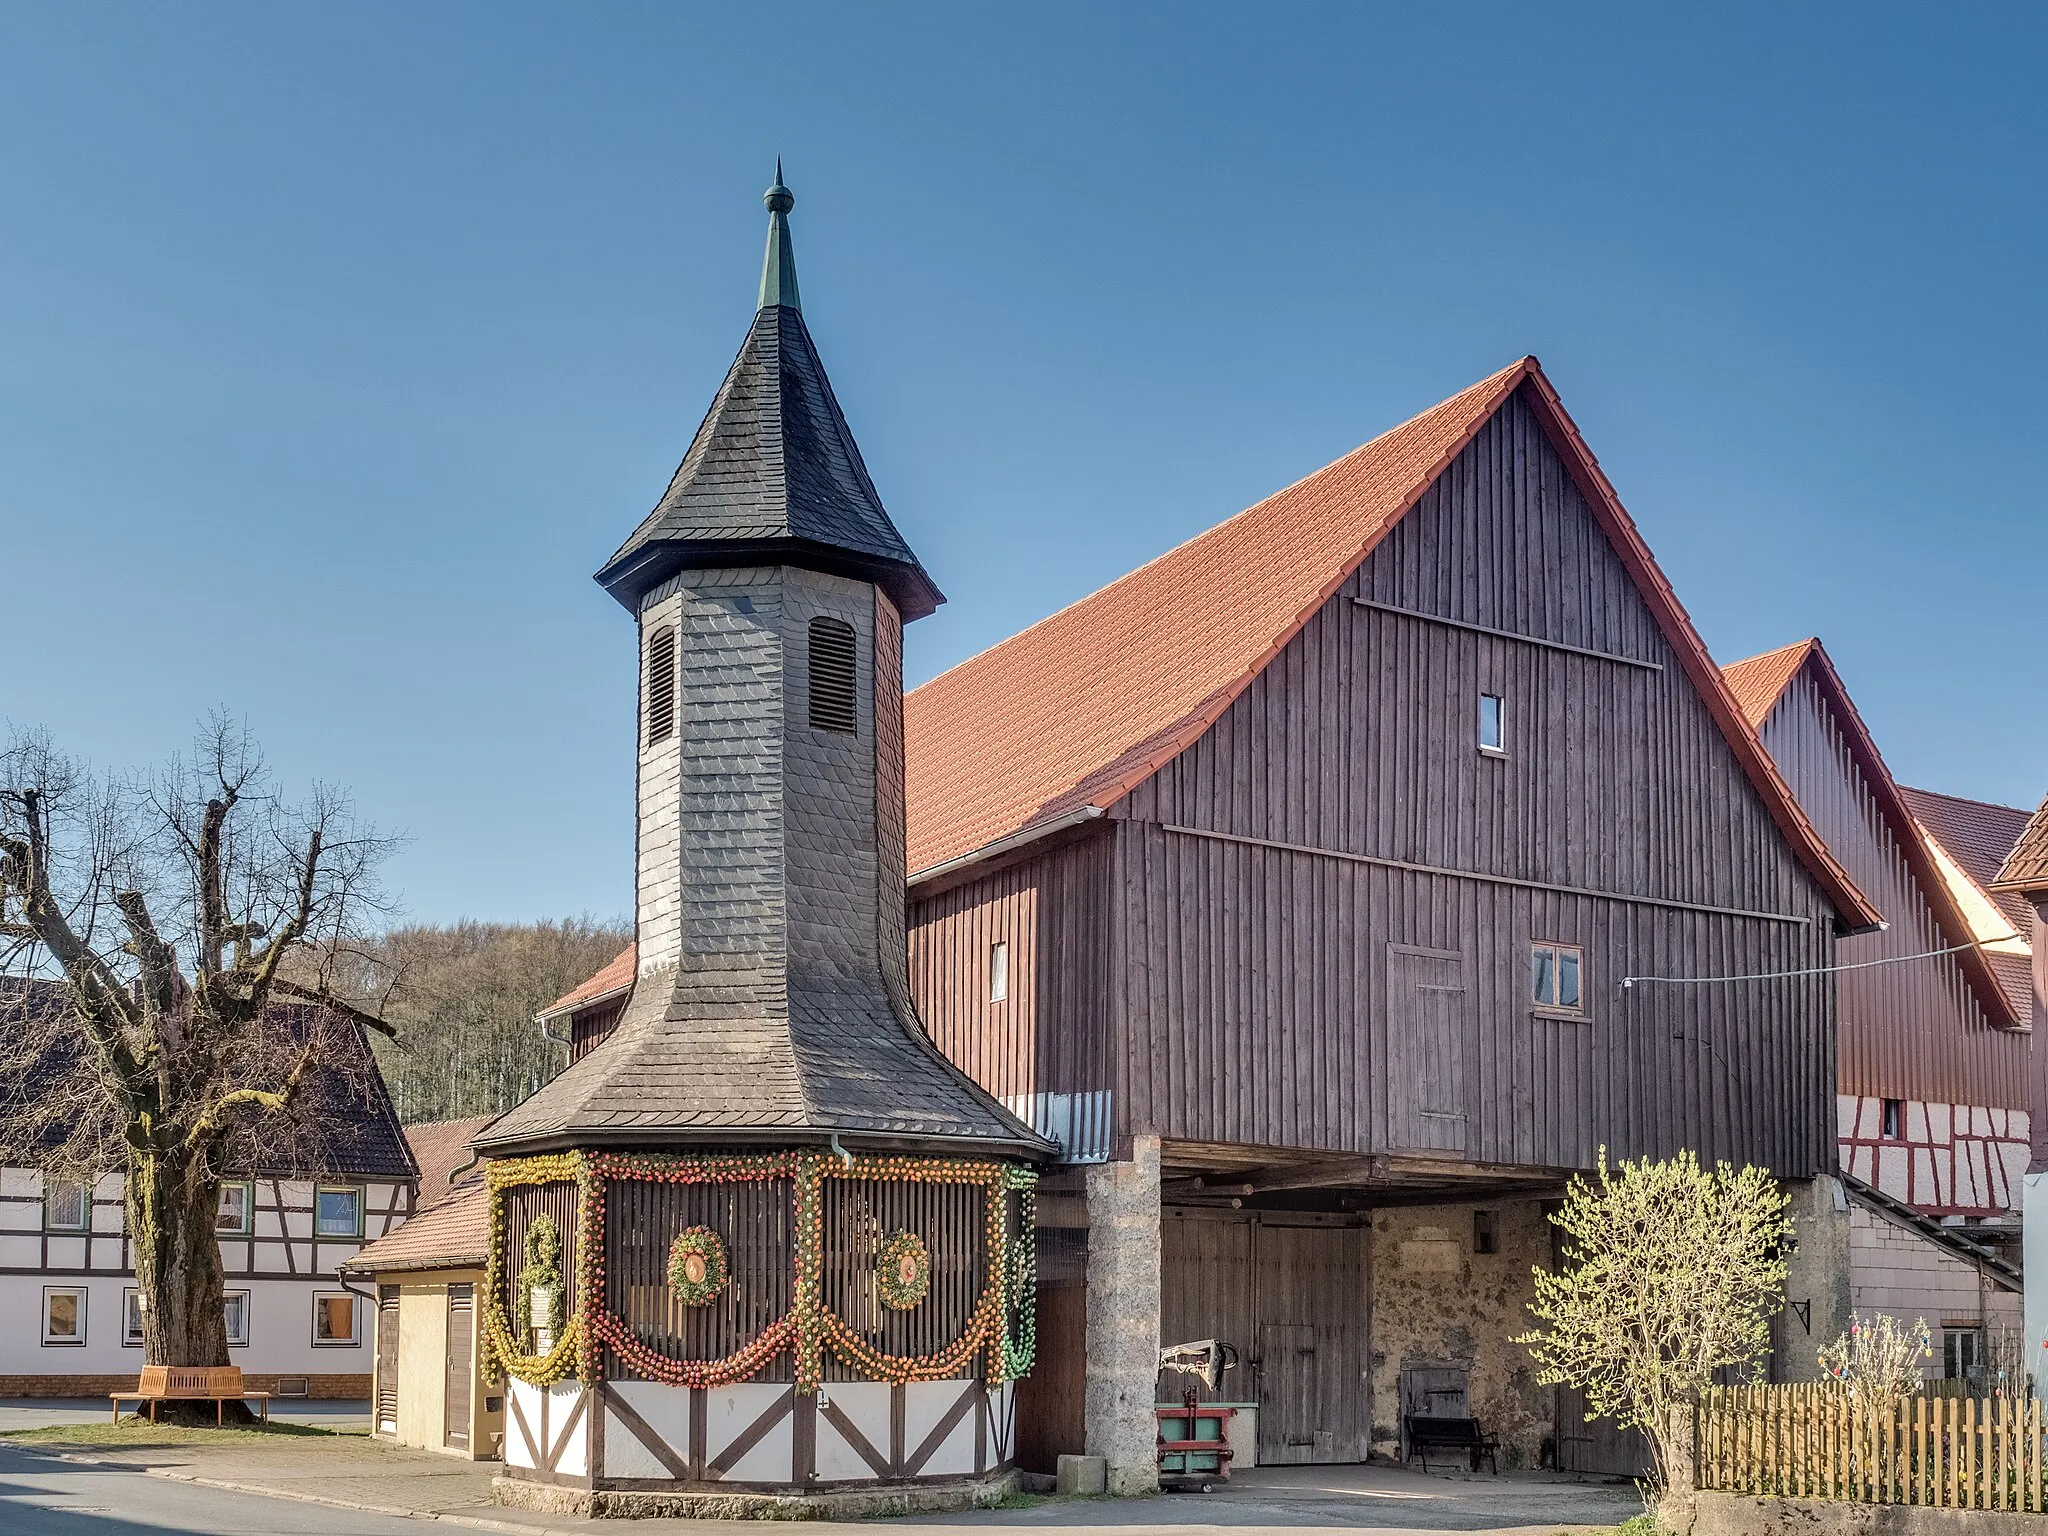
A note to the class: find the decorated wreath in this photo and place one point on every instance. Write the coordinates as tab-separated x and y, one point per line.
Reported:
903	1272
697	1267
542	1272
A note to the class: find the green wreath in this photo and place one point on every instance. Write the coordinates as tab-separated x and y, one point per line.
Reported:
697	1268
903	1272
543	1267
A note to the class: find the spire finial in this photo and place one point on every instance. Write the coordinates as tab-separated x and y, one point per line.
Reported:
778	267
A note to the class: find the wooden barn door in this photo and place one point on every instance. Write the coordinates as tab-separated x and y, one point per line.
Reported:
386	1416
1313	1344
1428	1031
461	1333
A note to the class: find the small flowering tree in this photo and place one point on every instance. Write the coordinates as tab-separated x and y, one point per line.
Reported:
1878	1359
1671	1272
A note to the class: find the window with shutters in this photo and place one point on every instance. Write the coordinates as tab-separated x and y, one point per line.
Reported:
660	705
832	703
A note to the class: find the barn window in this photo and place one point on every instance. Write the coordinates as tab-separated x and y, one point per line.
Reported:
1554	976
661	684
1493	725
1485	1232
832	675
999	971
1894	1124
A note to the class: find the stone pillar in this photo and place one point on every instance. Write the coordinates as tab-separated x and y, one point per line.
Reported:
1123	1318
1816	1274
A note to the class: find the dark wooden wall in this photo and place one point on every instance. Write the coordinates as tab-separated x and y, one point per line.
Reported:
1256	886
1913	1031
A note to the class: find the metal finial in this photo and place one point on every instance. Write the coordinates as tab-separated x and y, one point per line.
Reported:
778	197
778	267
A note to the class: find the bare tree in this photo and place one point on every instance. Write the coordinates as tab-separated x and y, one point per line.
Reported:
169	942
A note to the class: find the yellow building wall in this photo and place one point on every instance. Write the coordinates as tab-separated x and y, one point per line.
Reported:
423	1368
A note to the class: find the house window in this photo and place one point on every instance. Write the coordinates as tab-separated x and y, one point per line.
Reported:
63	1314
1893	1126
1493	725
334	1319
832	707
1962	1353
237	1209
1485	1232
338	1211
1554	976
67	1205
234	1308
131	1318
999	971
661	684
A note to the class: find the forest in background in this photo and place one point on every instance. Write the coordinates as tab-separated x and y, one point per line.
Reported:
462	997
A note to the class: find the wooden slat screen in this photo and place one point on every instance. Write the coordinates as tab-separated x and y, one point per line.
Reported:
661	684
387	1360
859	1216
521	1206
461	1331
832	672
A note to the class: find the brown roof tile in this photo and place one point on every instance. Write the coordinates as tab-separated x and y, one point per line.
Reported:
1978	835
616	976
2026	867
1097	697
453	1233
440	1147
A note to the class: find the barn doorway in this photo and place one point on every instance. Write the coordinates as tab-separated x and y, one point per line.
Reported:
1291	1293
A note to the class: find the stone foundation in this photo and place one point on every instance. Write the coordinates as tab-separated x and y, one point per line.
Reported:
1123	1318
1735	1514
847	1504
1436	1302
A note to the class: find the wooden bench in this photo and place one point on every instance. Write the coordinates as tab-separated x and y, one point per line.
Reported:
216	1384
1428	1432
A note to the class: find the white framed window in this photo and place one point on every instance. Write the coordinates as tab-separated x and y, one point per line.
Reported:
1893	1124
1556	977
131	1318
237	1208
334	1319
999	971
64	1314
234	1311
1493	725
67	1205
338	1211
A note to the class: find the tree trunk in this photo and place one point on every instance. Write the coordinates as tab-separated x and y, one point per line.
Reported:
173	1205
1678	1501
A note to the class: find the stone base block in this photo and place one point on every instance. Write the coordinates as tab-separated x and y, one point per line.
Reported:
1082	1476
1735	1514
706	1504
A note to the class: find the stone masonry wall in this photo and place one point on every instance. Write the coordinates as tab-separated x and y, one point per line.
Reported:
1437	1302
1123	1318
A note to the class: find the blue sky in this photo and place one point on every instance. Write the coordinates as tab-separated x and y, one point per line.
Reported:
339	346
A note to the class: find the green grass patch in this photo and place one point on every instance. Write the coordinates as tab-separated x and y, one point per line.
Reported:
137	1431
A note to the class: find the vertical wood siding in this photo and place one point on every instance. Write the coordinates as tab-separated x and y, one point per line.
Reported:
1912	1031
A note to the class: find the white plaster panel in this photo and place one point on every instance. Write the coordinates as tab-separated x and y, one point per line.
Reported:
866	1403
728	1411
1848	1113
1938	1122
1002	1423
573	1457
1916	1121
1891	1171
665	1410
526	1400
1933	1175
925	1404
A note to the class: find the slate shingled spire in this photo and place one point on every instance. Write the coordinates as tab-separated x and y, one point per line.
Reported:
771	1000
773	473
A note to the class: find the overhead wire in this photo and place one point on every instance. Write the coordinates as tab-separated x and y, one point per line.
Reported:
1816	970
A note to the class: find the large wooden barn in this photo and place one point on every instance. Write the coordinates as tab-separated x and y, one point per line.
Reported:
1331	888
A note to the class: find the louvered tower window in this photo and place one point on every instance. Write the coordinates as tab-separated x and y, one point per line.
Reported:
832	706
661	684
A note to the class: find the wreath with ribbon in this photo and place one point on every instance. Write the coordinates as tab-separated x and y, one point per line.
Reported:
543	1269
903	1272
697	1266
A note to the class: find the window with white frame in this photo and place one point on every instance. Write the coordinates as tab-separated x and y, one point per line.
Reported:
999	971
234	1311
237	1215
1555	976
63	1314
338	1211
1493	725
334	1319
67	1205
131	1318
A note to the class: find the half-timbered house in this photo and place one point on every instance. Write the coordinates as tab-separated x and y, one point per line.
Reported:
1932	1019
2024	874
293	1209
1331	888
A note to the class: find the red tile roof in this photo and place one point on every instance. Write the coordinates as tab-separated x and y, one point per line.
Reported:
1097	697
616	976
1757	684
453	1234
1978	835
2026	867
440	1147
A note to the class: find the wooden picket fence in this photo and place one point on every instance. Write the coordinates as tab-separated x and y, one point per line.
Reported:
1813	1441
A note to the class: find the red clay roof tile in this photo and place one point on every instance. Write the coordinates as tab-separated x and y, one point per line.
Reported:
616	976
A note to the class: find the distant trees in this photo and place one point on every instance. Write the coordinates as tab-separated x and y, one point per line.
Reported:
1671	1272
464	998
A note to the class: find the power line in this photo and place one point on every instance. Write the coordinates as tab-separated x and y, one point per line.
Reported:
1817	970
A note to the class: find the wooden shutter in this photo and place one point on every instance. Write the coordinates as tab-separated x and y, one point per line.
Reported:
461	1331
661	684
1428	1032
386	1415
832	691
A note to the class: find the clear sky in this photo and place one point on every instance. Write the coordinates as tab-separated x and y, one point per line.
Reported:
340	345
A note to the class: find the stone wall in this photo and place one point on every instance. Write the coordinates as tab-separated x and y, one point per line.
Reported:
1816	1274
1123	1317
1437	1302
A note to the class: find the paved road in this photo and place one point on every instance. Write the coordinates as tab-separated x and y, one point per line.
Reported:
42	1496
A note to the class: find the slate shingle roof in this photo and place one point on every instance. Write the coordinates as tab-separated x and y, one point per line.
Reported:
1757	684
1099	696
773	465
